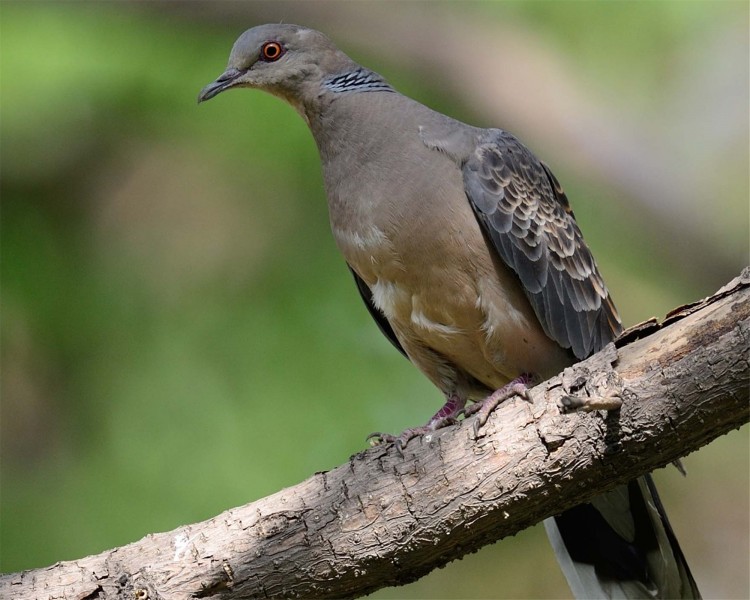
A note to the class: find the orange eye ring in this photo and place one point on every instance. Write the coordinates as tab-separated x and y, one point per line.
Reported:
271	51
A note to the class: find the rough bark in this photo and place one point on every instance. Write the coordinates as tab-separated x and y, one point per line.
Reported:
382	519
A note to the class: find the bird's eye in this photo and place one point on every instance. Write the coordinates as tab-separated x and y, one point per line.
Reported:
271	51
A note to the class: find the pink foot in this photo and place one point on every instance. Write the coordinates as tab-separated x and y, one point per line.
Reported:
447	415
518	387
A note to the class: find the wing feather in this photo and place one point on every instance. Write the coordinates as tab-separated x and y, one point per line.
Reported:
526	215
378	317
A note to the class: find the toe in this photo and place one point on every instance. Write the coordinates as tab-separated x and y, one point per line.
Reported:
377	438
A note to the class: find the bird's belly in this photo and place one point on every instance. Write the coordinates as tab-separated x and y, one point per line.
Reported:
447	342
455	331
461	321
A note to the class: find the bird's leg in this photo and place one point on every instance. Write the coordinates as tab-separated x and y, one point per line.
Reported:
447	415
518	387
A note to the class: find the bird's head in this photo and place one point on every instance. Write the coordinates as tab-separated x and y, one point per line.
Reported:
286	60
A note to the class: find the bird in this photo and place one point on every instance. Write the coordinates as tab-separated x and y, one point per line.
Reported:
466	252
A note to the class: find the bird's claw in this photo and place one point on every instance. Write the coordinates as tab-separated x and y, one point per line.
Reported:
518	387
400	441
447	415
377	438
453	409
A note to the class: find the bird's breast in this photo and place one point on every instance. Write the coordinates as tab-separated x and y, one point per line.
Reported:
412	237
451	298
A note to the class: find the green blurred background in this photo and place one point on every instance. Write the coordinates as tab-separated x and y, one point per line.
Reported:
179	335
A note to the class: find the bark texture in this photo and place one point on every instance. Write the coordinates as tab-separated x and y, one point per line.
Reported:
382	519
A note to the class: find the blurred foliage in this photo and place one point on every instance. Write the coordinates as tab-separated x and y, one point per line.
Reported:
179	335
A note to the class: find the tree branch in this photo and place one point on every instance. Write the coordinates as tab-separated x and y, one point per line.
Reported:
382	520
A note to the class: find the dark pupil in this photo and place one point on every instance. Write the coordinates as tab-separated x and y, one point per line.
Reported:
272	51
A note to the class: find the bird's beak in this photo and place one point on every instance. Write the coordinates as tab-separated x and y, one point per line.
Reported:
226	80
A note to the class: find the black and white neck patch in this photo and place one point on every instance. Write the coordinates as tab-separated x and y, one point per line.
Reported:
360	80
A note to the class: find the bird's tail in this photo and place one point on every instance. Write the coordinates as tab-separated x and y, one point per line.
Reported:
620	545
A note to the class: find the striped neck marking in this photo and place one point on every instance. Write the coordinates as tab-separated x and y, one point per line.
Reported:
360	80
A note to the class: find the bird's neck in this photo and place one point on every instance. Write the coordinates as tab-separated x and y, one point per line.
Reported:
357	80
352	120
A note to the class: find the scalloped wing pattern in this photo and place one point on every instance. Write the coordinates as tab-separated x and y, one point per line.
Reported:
525	213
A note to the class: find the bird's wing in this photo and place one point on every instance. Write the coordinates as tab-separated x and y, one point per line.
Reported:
379	317
526	215
620	544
